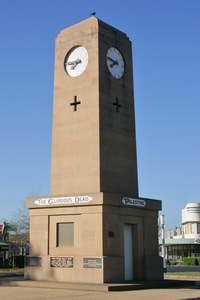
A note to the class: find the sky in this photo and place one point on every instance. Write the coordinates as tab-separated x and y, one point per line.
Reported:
165	36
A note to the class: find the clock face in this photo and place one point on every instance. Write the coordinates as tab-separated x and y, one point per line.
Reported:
115	62
76	61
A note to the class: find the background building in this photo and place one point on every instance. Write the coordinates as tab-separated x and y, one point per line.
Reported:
184	241
4	237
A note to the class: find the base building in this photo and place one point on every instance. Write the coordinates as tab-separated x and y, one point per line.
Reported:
93	227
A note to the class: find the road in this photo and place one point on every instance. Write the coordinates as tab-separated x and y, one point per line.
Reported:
183	269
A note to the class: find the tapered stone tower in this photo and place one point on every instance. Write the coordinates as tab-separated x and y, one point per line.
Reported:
93	227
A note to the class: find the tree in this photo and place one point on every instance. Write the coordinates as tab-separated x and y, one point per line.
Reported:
19	227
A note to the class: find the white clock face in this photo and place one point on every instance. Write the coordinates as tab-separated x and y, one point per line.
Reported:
76	61
115	62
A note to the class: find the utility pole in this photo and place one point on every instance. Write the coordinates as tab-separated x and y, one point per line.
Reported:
162	223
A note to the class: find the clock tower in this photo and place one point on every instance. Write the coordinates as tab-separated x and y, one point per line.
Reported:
94	226
94	144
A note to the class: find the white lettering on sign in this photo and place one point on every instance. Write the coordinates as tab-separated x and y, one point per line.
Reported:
63	200
134	202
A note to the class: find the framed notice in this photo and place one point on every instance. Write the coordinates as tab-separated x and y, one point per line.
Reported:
33	261
61	262
92	262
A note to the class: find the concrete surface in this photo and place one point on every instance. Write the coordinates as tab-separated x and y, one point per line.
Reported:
33	293
19	289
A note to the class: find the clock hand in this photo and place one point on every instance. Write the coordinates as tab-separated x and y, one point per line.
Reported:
114	62
111	59
74	63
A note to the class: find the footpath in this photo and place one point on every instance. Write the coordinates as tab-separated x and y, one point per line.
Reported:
168	289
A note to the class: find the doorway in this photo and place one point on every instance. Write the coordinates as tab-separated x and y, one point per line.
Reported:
128	252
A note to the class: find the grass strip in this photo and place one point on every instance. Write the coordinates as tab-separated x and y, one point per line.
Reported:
11	272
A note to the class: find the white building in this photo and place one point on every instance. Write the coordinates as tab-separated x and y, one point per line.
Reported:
184	241
191	221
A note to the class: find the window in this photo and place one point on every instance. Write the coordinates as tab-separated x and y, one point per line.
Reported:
194	228
198	227
65	234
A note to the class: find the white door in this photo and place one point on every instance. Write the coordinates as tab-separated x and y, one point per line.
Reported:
128	252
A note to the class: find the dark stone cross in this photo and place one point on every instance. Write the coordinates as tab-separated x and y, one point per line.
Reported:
117	105
75	103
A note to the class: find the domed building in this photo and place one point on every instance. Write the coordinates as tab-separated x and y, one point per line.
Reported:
184	241
191	221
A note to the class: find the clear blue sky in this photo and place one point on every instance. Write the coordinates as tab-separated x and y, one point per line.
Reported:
166	53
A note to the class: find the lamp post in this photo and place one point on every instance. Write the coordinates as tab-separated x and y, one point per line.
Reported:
162	223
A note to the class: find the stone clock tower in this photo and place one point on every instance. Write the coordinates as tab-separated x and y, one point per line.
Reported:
93	147
93	228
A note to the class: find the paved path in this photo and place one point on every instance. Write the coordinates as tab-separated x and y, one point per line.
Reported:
28	293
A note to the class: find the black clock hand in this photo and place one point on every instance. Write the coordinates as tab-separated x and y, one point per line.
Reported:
111	59
114	62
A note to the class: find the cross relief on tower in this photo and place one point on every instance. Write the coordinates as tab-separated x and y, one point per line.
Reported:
75	103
